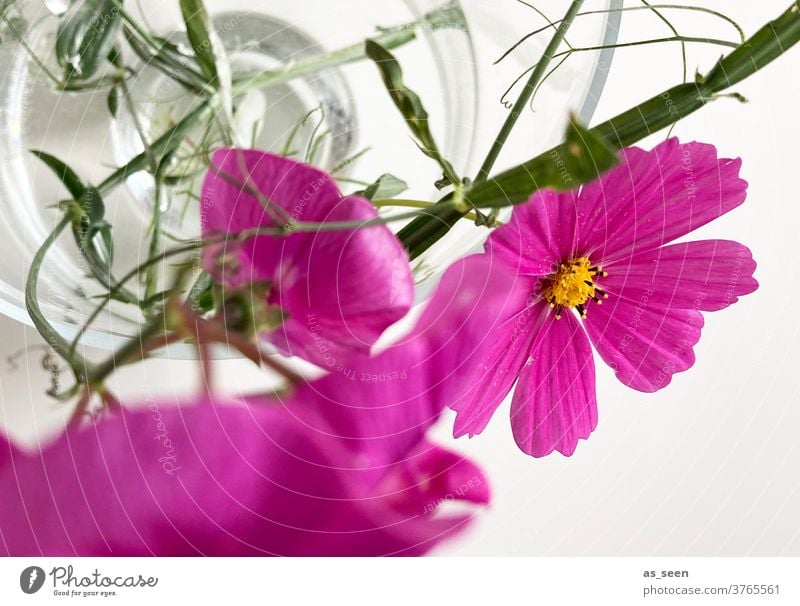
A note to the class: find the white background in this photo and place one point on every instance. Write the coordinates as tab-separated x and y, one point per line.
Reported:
710	465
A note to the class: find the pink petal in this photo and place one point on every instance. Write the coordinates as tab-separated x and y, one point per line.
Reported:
708	275
539	236
343	290
444	476
339	289
298	191
383	406
212	480
655	197
480	359
495	375
554	404
644	342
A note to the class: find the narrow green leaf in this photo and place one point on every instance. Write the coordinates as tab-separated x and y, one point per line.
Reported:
67	176
410	106
201	294
198	28
113	101
209	52
201	37
583	157
107	241
167	58
86	35
91	232
660	111
766	45
385	187
91	202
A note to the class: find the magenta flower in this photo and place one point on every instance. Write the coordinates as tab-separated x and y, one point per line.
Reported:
333	292
339	467
607	243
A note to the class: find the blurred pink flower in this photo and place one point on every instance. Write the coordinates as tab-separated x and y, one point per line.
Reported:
340	466
606	243
333	292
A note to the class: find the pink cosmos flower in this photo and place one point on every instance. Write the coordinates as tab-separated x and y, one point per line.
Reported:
341	466
333	292
603	254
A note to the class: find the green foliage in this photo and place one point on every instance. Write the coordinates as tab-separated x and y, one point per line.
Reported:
410	106
654	114
208	51
582	157
66	175
86	212
86	35
385	187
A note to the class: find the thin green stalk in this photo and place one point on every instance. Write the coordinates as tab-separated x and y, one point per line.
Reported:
137	123
674	31
517	184
40	64
171	138
701	9
153	260
129	349
530	87
396	202
388	38
151	279
53	338
567	53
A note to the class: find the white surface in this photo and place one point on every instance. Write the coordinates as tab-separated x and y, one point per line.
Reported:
708	466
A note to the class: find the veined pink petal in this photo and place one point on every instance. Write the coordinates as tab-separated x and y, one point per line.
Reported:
383	405
707	275
621	224
654	197
496	374
483	361
340	289
644	342
540	234
554	404
343	290
295	191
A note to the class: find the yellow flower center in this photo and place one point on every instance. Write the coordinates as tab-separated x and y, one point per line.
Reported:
572	285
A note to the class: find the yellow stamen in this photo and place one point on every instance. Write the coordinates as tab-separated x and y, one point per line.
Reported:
573	284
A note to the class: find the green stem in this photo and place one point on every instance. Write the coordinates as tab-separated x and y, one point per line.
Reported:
153	260
132	349
682	39
21	39
54	339
517	184
470	216
648	6
530	87
390	38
